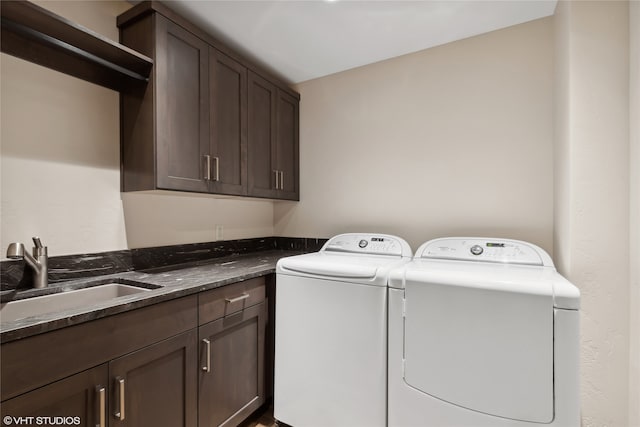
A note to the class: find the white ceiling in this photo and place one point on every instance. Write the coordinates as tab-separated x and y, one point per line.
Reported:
302	40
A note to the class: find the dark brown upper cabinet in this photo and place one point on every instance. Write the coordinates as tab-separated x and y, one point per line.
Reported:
165	126
194	127
273	141
182	124
228	124
35	34
287	145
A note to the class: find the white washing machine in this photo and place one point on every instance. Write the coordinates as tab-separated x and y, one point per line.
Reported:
331	332
482	332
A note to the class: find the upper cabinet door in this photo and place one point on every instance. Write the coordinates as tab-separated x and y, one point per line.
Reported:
182	108
263	173
273	141
228	124
287	113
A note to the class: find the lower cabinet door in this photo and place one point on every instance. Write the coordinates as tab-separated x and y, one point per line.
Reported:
156	386
232	367
78	400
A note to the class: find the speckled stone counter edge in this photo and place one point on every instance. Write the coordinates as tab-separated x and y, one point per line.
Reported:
14	275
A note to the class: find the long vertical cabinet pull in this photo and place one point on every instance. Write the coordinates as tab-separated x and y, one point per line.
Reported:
207	167
217	163
207	356
102	409
119	412
279	179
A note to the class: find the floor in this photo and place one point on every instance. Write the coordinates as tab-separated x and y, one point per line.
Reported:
261	419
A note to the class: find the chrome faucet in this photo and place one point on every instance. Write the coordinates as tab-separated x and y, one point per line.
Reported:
37	261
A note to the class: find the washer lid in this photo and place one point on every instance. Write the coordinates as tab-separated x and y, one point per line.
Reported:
331	266
360	258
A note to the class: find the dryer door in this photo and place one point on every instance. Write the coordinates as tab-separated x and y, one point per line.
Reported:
480	346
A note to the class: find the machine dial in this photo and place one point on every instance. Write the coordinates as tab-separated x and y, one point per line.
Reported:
476	250
363	243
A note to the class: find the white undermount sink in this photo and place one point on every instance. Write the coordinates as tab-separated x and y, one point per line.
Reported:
46	304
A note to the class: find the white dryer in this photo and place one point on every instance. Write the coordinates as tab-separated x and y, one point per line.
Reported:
331	332
482	332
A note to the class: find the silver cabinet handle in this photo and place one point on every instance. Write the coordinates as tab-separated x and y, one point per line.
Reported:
207	167
279	179
236	299
217	162
119	413
207	347
102	401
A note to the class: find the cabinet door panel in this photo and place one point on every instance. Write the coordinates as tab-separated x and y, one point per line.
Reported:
159	384
228	123
234	386
182	90
287	144
76	396
262	136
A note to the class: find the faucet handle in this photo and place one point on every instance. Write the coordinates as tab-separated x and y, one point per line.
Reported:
39	250
37	242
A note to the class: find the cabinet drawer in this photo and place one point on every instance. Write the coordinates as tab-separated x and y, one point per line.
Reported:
230	299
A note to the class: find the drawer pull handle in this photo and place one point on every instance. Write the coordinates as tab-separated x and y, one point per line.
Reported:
102	401
119	413
236	299
207	346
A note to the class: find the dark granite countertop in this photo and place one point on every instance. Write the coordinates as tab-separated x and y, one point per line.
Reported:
169	282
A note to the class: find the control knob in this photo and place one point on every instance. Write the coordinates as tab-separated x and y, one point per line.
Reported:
476	250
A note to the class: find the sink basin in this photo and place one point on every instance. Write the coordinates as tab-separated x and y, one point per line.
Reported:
45	304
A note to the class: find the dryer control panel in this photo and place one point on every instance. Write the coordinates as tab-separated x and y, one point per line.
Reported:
484	250
376	244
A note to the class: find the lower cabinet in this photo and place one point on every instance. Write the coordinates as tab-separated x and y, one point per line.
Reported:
156	386
197	361
231	382
77	400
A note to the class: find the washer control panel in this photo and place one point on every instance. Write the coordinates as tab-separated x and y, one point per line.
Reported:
484	250
376	244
